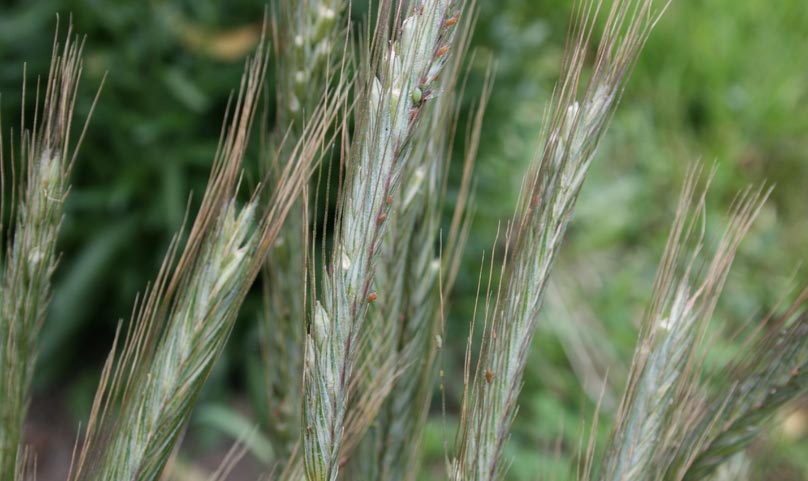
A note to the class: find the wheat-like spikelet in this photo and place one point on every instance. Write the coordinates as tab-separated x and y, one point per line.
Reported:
366	368
747	423
399	258
306	40
768	375
576	124
418	277
663	380
392	108
418	330
668	428
46	159
146	395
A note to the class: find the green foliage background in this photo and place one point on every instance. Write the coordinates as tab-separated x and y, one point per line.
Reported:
724	81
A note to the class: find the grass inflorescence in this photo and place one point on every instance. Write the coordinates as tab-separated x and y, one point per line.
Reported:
356	293
40	166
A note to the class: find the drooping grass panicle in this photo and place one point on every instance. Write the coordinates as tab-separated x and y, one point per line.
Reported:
663	384
147	393
400	83
579	116
45	159
307	37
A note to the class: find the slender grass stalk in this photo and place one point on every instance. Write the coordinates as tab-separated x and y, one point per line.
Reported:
306	41
393	105
181	327
576	124
46	158
663	380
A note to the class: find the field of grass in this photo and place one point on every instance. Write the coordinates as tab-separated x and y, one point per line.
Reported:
721	81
